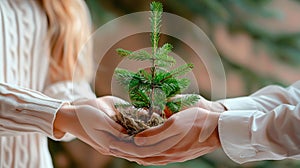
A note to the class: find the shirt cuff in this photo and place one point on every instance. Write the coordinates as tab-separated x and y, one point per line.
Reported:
240	103
236	133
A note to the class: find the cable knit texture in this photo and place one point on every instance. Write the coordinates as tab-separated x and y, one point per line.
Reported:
26	116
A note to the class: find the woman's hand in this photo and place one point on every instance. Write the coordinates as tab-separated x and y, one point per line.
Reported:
184	136
90	121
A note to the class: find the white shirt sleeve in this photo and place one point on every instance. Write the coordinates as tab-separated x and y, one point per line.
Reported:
265	99
23	110
254	135
263	126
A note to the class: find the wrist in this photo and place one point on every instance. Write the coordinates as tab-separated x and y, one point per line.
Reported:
63	120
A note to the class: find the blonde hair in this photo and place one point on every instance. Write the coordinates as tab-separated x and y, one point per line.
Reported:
69	28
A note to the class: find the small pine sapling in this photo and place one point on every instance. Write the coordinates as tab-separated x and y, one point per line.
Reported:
152	91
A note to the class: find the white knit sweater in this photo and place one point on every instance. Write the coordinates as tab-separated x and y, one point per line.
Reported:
27	115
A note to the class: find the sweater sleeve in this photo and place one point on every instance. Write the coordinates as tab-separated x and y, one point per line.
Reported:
23	110
254	135
265	99
69	91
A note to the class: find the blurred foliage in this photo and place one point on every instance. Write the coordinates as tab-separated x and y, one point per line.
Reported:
237	16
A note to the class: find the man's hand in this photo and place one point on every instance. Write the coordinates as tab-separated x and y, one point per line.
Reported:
184	136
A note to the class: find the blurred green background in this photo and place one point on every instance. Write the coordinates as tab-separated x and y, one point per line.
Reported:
259	44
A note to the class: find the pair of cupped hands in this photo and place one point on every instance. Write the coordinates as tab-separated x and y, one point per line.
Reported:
186	135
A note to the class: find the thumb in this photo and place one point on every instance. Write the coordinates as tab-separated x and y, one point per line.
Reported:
157	134
209	125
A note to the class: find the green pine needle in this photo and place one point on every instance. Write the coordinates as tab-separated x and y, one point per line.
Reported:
171	87
183	84
159	98
144	76
140	98
124	77
164	50
183	102
155	19
141	55
123	52
162	56
183	69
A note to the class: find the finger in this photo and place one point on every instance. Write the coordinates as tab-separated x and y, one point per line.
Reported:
113	128
178	130
181	124
178	124
93	120
209	125
111	101
174	154
106	104
156	134
146	151
203	103
148	161
98	143
162	159
203	119
177	157
117	154
183	156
